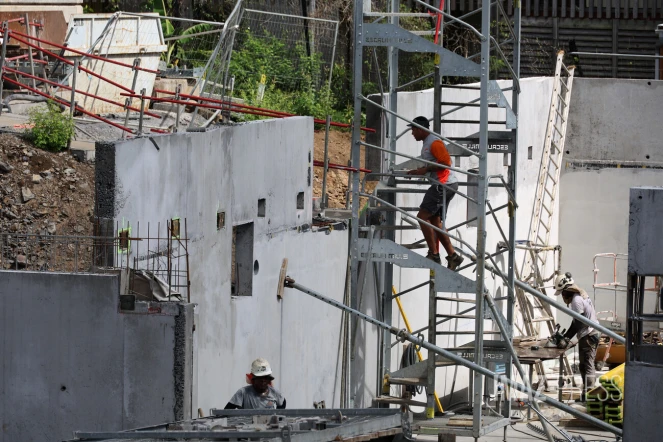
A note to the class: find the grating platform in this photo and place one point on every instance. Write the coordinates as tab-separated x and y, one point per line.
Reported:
460	425
306	425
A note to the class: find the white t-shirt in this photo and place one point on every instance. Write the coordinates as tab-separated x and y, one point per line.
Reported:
249	399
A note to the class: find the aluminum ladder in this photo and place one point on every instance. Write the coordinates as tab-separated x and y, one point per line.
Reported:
533	311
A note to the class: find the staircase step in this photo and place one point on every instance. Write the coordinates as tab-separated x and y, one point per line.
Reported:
407	381
398	401
455	103
442	298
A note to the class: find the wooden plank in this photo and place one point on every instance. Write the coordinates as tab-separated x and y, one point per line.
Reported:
616	8
581	13
545	8
590	9
509	7
460	422
537	11
625	5
528	8
563	8
282	273
572	7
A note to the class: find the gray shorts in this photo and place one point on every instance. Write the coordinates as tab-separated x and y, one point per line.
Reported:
437	199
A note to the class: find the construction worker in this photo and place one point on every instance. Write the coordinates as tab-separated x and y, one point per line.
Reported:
260	394
588	337
433	208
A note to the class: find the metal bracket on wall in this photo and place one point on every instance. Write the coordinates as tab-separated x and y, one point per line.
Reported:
451	64
382	250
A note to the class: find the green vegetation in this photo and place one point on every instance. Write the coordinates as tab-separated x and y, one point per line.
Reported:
52	129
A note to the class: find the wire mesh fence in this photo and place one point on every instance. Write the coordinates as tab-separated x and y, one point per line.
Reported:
307	47
160	251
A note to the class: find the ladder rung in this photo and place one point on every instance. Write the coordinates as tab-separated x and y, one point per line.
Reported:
547	209
559	131
442	298
546	318
562	99
457	316
407	381
560	115
549	193
552	177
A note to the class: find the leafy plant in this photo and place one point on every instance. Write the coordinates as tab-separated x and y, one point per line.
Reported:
52	129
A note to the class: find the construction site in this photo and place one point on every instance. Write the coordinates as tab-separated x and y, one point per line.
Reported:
198	197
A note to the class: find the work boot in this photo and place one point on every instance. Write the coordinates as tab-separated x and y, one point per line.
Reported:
453	261
435	257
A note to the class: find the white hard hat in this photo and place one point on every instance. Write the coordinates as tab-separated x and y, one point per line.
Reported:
564	282
260	367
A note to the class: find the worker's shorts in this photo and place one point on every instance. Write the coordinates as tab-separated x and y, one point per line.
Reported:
437	199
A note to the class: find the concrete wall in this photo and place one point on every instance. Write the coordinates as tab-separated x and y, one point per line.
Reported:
196	175
614	132
534	105
72	361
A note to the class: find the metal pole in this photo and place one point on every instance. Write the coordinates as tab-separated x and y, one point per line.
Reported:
356	158
326	165
333	56
430	362
129	100
74	75
481	221
142	111
513	180
5	36
178	112
405	336
28	31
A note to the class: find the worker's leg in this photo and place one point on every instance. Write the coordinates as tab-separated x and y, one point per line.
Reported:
429	233
448	193
427	210
587	348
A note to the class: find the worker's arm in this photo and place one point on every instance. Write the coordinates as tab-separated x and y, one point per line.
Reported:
573	329
231	406
282	406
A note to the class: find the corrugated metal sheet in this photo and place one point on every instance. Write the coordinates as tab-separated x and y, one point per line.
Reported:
124	39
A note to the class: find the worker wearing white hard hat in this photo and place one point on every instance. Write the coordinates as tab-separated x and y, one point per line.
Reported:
260	394
588	337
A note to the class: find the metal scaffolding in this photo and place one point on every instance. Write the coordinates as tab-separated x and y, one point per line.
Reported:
382	29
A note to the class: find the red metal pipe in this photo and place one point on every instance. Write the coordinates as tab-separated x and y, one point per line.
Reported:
244	106
76	51
226	102
65	103
207	106
71	63
340	167
87	94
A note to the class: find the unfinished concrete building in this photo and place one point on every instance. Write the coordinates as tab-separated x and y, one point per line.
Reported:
209	248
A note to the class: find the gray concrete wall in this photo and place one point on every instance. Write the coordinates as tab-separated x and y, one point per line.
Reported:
612	123
72	361
196	175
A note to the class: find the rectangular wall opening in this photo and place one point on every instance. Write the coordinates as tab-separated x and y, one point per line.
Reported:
300	200
242	260
262	207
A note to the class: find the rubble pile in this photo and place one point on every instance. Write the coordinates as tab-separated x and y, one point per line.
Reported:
42	194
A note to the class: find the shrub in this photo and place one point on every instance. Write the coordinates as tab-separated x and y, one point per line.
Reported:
52	129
